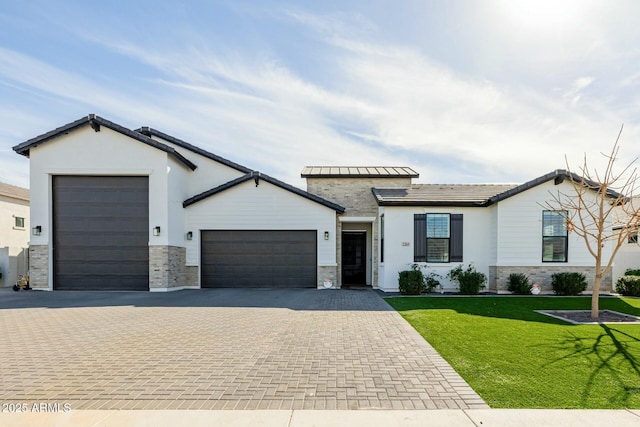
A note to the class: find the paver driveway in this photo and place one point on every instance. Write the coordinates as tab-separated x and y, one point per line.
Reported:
219	349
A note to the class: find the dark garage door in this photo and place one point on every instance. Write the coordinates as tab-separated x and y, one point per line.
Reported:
258	259
100	232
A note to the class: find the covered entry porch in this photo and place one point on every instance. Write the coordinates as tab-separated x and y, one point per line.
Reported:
356	252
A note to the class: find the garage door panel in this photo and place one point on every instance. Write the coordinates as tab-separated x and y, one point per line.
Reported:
259	258
101	232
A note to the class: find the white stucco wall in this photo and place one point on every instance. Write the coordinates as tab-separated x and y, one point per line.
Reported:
628	256
208	174
86	152
178	179
266	207
519	230
13	240
399	246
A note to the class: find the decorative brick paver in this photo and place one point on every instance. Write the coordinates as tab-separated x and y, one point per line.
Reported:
220	349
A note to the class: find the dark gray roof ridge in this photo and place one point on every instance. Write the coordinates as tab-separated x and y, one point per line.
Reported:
95	122
257	176
148	131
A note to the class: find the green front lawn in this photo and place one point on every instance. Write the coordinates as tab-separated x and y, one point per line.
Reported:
516	358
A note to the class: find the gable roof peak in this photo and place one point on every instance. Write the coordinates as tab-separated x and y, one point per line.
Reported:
96	122
257	176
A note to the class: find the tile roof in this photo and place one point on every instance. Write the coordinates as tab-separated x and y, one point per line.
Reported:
472	194
14	192
358	172
440	194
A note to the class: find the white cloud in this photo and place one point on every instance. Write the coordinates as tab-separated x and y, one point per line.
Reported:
388	104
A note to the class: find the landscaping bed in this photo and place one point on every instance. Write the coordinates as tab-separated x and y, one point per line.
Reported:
515	357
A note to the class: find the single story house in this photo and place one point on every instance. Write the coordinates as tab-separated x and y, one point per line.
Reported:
115	208
14	233
500	229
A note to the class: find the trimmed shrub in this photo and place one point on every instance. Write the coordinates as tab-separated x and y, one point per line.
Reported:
431	282
632	272
411	282
628	285
470	280
519	284
568	284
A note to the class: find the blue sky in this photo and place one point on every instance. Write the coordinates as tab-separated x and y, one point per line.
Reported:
462	91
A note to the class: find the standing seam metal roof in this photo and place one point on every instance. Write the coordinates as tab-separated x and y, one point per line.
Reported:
358	172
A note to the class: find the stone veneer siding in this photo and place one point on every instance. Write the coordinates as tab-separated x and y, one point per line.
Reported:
191	275
167	266
355	195
499	277
39	266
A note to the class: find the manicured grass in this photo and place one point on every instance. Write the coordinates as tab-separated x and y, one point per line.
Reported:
516	358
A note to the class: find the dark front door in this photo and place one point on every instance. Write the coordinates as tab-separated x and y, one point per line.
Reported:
354	259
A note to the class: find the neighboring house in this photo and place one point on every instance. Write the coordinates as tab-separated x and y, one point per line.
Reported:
114	208
14	233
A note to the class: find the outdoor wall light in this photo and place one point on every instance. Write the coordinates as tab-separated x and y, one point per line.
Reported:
326	235
156	230
36	230
189	235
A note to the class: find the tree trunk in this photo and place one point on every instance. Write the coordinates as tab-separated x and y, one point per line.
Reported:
595	310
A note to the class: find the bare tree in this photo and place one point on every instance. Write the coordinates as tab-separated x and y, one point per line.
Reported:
595	203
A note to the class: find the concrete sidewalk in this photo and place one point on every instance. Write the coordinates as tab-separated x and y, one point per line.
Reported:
308	418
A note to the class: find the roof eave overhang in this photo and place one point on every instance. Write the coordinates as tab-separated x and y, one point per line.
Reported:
558	176
149	132
23	148
257	177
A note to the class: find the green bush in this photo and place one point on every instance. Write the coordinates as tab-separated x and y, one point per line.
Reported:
568	283
431	282
632	272
628	285
411	282
519	284
470	280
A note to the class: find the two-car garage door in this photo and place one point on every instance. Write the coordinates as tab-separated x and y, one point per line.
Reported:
258	258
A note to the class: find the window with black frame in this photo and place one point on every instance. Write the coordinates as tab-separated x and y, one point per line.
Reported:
554	236
438	235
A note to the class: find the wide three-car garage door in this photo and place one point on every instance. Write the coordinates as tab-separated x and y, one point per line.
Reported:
258	258
101	232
